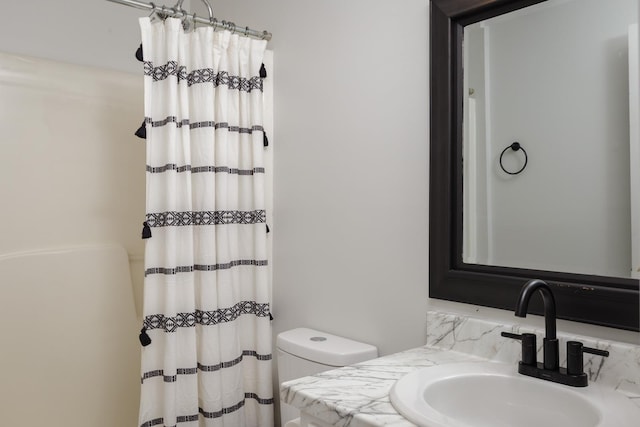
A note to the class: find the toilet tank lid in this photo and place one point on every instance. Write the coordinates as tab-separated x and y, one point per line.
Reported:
324	348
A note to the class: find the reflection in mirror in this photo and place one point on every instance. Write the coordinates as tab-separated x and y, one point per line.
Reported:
524	98
560	78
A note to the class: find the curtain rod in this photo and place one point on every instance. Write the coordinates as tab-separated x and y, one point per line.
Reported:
177	12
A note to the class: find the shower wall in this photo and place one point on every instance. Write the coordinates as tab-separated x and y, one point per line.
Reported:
73	171
72	176
73	188
69	354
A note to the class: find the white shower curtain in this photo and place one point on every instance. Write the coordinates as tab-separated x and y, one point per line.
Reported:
206	290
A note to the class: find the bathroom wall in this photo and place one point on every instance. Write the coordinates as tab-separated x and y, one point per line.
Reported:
351	164
351	169
85	32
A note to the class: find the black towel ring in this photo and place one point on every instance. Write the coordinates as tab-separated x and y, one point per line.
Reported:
515	147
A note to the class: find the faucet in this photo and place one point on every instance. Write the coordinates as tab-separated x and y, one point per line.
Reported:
550	342
550	369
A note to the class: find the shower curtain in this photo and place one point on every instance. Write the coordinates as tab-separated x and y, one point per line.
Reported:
206	290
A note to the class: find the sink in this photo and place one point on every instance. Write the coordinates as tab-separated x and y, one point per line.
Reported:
487	394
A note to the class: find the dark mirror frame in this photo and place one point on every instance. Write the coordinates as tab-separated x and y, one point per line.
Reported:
600	300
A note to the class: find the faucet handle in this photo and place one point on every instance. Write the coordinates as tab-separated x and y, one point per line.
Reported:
529	347
511	335
596	351
575	360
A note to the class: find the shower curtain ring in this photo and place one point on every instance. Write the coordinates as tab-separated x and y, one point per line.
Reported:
163	13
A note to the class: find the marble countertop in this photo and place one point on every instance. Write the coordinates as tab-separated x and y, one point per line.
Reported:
358	395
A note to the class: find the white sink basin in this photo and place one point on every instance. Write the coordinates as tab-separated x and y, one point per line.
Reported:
484	394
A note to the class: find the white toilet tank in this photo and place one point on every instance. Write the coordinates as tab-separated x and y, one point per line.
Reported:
302	352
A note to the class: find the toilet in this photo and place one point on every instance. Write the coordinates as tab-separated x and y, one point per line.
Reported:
302	352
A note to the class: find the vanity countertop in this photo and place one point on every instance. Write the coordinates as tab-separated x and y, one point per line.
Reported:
358	395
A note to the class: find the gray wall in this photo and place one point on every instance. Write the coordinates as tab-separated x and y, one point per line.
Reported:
351	164
86	32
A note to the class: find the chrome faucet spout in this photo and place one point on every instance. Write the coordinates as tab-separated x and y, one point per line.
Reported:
548	300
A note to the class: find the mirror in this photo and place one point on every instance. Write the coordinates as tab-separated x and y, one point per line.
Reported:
553	77
467	262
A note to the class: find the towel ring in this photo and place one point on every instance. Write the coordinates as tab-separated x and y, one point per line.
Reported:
515	147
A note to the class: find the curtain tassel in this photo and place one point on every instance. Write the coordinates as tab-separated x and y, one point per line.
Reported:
139	54
263	70
142	131
265	140
146	230
145	340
